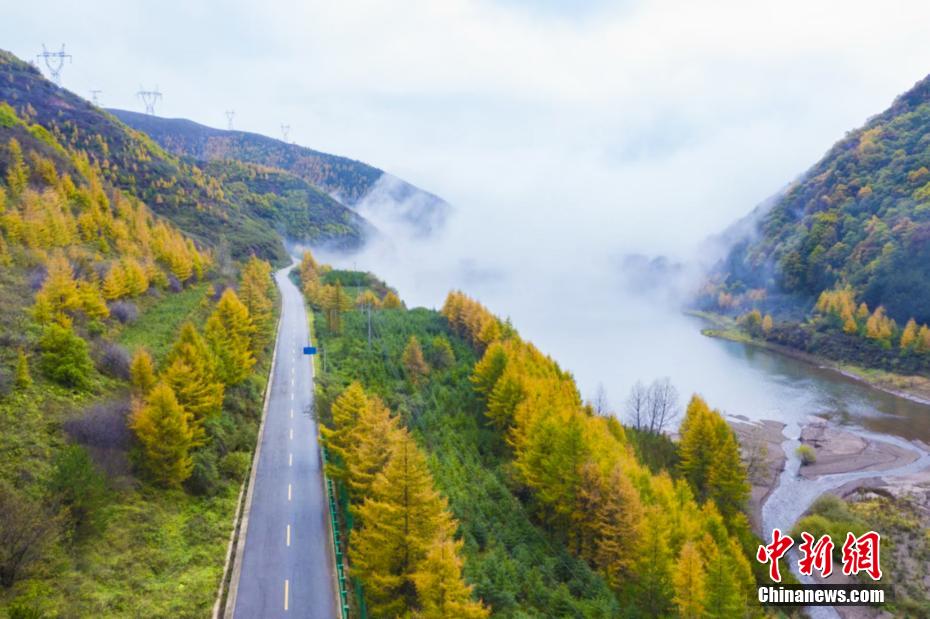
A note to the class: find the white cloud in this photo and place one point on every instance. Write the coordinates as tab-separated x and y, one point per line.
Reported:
648	124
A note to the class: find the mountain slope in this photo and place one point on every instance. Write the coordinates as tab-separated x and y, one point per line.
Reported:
250	217
859	217
352	183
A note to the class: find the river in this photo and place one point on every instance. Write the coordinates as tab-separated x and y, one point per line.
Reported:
607	333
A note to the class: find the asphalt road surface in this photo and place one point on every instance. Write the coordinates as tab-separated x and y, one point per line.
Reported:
287	565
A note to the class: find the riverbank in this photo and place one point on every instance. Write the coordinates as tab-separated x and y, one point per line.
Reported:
836	451
761	446
840	451
913	388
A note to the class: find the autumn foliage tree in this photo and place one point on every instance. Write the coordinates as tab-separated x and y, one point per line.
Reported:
256	293
229	333
191	371
142	371
584	479
401	518
402	546
441	590
413	361
163	428
710	458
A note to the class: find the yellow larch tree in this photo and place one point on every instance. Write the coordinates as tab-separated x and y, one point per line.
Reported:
340	435
923	340
391	301
441	590
23	377
229	333
909	335
192	373
375	432
92	301
401	518
163	427
618	522
59	294
255	291
142	371
413	361
689	580
115	284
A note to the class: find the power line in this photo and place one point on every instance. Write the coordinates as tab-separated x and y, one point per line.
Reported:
55	62
149	99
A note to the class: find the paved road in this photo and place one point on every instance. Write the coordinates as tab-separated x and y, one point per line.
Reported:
287	566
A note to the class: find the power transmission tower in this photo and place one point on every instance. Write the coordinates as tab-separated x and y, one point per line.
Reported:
54	62
149	98
229	118
95	97
285	129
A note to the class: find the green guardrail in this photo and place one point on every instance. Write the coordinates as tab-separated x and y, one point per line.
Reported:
337	545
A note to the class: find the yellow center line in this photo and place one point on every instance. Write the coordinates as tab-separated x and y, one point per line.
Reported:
286	584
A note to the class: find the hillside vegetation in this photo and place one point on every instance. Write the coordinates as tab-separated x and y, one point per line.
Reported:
857	224
131	371
552	511
245	208
352	183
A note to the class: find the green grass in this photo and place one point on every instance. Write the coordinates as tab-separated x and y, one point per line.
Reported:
158	325
160	556
162	552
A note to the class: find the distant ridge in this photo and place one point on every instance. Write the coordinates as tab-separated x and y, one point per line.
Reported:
370	190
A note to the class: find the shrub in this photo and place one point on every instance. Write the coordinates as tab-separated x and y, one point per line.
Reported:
113	360
26	529
77	484
65	358
234	465
204	479
124	311
807	454
37	277
104	426
6	382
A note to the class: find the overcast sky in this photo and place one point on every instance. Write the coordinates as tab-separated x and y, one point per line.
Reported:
632	125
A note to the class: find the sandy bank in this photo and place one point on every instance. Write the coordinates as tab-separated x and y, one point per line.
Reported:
761	446
842	451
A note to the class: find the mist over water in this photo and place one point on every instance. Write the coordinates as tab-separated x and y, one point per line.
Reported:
573	299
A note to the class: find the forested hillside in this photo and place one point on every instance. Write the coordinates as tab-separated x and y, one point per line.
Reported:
246	207
528	503
132	364
348	181
860	216
841	259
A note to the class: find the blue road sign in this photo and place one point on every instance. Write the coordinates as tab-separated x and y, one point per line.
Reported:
309	350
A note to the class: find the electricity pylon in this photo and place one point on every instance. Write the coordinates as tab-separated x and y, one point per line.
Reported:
229	118
54	62
95	97
285	129
149	98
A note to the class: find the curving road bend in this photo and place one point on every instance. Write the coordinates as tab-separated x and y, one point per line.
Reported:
287	566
